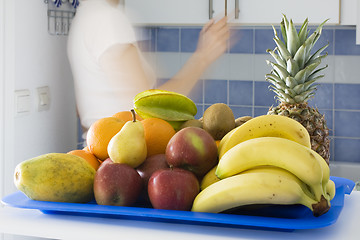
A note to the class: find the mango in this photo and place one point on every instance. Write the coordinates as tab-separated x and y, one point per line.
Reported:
56	177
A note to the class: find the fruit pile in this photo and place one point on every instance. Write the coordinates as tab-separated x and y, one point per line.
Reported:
161	156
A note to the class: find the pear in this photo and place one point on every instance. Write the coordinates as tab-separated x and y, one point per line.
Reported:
128	145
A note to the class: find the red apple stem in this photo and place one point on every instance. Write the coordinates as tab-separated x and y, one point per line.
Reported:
133	115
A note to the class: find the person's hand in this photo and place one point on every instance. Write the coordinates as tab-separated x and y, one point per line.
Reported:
212	43
213	40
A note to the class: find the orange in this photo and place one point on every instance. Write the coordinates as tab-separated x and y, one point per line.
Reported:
100	134
217	142
89	157
157	135
126	115
86	149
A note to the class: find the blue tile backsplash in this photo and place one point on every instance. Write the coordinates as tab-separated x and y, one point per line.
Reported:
245	43
327	37
189	38
337	97
263	40
240	93
348	96
168	39
324	97
338	101
346	149
345	42
215	91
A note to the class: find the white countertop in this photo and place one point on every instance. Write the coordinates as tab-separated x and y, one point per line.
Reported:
34	223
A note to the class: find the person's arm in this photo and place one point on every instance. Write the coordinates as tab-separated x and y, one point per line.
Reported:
126	56
212	44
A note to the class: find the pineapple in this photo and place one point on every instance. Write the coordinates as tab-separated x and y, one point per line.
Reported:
293	80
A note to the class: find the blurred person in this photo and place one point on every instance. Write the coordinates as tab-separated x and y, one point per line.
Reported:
109	69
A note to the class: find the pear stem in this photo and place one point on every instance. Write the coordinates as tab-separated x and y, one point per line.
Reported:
133	115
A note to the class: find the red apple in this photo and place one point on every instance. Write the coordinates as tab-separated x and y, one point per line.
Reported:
173	189
151	164
116	184
146	169
106	161
193	149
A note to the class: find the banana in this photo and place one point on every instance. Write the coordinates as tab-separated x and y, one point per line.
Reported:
253	188
326	179
209	179
167	105
225	139
266	126
283	172
301	161
331	189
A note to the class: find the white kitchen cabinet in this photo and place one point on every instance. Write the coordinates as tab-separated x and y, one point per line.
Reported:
170	12
167	12
262	11
185	12
348	12
350	15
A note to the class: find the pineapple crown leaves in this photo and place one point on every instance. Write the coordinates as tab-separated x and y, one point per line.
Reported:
295	70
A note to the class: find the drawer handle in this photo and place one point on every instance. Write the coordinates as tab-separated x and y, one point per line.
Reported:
237	9
211	9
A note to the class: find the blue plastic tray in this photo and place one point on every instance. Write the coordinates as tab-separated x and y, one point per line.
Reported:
286	218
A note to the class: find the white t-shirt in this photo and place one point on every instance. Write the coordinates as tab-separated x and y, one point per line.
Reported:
96	27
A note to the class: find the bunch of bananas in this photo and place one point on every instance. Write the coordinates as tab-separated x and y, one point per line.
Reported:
267	160
172	107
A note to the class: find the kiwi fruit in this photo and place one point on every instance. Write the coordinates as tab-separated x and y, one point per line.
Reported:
218	120
192	123
241	120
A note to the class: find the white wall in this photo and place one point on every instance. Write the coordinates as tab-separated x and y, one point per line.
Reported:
31	58
2	77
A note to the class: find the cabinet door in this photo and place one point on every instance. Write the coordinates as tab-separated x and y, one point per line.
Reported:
263	11
349	12
197	12
175	12
168	12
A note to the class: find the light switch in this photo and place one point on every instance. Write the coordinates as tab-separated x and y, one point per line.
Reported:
43	98
22	102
